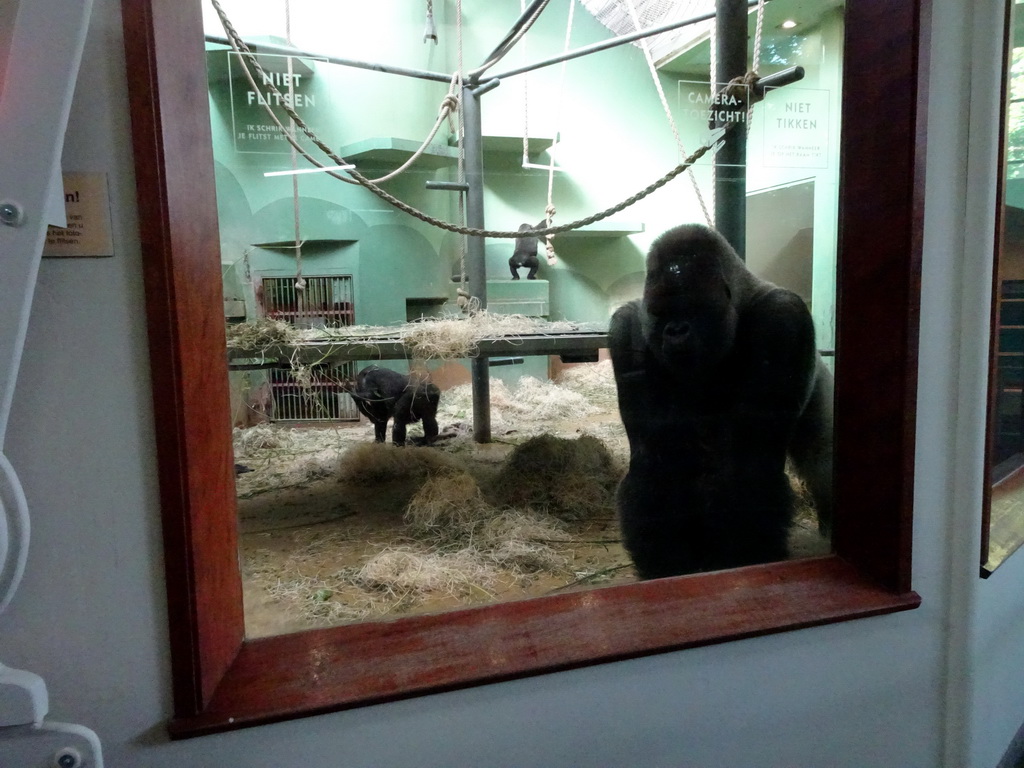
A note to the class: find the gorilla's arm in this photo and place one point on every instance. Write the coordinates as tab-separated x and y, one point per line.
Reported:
790	394
774	359
811	448
627	343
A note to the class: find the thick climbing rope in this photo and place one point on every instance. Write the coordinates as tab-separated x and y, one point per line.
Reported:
449	105
506	45
242	49
668	110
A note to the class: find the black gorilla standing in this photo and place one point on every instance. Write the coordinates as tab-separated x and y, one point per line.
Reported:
380	394
525	253
718	381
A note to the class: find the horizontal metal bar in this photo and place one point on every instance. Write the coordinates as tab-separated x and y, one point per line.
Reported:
778	79
448	186
283	50
342	350
485	86
393	349
613	43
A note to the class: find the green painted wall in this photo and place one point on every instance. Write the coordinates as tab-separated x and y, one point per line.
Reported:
615	140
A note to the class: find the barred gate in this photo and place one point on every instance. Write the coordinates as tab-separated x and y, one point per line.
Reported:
326	301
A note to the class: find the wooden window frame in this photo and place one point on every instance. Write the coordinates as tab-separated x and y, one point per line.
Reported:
1001	536
222	680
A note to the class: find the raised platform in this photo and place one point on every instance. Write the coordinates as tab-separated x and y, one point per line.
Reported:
381	346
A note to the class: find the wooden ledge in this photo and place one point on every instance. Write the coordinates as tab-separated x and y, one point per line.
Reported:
288	676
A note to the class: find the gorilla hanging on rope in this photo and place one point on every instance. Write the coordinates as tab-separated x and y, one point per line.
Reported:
719	381
525	253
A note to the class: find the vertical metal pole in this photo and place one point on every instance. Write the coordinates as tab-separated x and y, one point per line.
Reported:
476	268
730	162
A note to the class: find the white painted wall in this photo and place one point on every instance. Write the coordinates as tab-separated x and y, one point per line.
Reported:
939	686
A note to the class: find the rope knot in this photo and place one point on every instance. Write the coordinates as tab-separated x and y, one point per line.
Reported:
742	89
449	103
468	304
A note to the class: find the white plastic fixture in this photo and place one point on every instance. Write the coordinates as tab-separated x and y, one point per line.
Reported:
41	45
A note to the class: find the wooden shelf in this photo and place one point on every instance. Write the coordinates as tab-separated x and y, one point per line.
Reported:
391	347
392	152
513	145
606	228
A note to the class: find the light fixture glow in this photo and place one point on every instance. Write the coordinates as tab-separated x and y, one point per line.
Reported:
297	171
787	24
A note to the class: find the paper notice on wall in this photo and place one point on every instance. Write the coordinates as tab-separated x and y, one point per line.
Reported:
87	234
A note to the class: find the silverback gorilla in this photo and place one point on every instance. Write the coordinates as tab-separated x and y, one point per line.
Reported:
380	394
525	253
718	382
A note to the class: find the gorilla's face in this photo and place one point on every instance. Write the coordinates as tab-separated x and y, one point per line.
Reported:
691	315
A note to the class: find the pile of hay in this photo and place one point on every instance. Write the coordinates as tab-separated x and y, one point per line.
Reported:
473	530
446	338
595	382
260	335
376	463
451	512
530	408
261	438
401	571
446	507
521	541
570	479
453	337
280	457
457	545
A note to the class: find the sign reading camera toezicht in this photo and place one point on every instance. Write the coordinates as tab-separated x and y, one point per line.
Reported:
704	108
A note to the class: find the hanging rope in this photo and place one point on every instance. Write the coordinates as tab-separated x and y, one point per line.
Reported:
242	49
755	60
300	282
506	45
465	301
668	110
449	105
430	31
549	211
526	97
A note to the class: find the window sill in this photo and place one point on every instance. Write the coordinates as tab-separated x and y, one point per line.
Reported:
320	671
